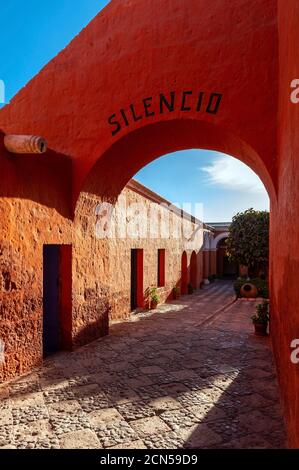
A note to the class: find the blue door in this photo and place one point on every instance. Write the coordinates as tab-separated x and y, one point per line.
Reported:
51	299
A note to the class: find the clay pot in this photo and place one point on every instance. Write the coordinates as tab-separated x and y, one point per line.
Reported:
249	291
154	304
260	329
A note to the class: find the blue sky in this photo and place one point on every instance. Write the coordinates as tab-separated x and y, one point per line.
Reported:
221	183
34	31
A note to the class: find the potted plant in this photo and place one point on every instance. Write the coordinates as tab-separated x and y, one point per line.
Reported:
261	318
154	298
175	292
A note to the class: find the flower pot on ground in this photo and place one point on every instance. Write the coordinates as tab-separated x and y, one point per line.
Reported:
175	293
249	291
261	318
259	283
154	298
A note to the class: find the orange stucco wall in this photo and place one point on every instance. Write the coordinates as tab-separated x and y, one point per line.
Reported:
119	255
246	52
284	269
99	289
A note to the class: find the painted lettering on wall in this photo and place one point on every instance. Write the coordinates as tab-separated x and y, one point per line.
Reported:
185	101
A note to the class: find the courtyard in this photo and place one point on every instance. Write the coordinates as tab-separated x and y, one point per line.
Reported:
190	374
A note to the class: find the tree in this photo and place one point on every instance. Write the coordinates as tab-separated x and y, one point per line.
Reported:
248	240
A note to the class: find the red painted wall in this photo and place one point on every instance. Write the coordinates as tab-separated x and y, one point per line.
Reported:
161	267
284	270
193	270
246	51
140	296
184	274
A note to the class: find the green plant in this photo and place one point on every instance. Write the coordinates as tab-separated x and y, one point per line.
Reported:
262	287
154	296
248	240
262	313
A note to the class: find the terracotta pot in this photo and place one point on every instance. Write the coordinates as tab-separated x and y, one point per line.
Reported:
248	291
261	329
154	304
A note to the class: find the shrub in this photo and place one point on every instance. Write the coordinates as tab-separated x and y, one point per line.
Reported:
248	240
262	313
262	287
154	296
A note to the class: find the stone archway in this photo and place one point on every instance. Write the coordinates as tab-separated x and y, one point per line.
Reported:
199	104
218	238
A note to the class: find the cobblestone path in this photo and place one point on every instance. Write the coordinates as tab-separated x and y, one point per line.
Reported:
190	374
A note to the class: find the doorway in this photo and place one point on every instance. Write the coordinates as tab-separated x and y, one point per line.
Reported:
136	278
184	274
57	298
193	270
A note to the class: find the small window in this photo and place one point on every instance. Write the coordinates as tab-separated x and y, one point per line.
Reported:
161	268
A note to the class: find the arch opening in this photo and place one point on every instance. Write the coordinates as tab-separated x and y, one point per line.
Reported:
114	169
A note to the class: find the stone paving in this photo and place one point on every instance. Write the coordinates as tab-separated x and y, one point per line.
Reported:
189	375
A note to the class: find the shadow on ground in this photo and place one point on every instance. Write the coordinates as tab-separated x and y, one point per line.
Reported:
175	378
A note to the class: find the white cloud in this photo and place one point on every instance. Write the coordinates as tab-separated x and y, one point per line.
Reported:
229	173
